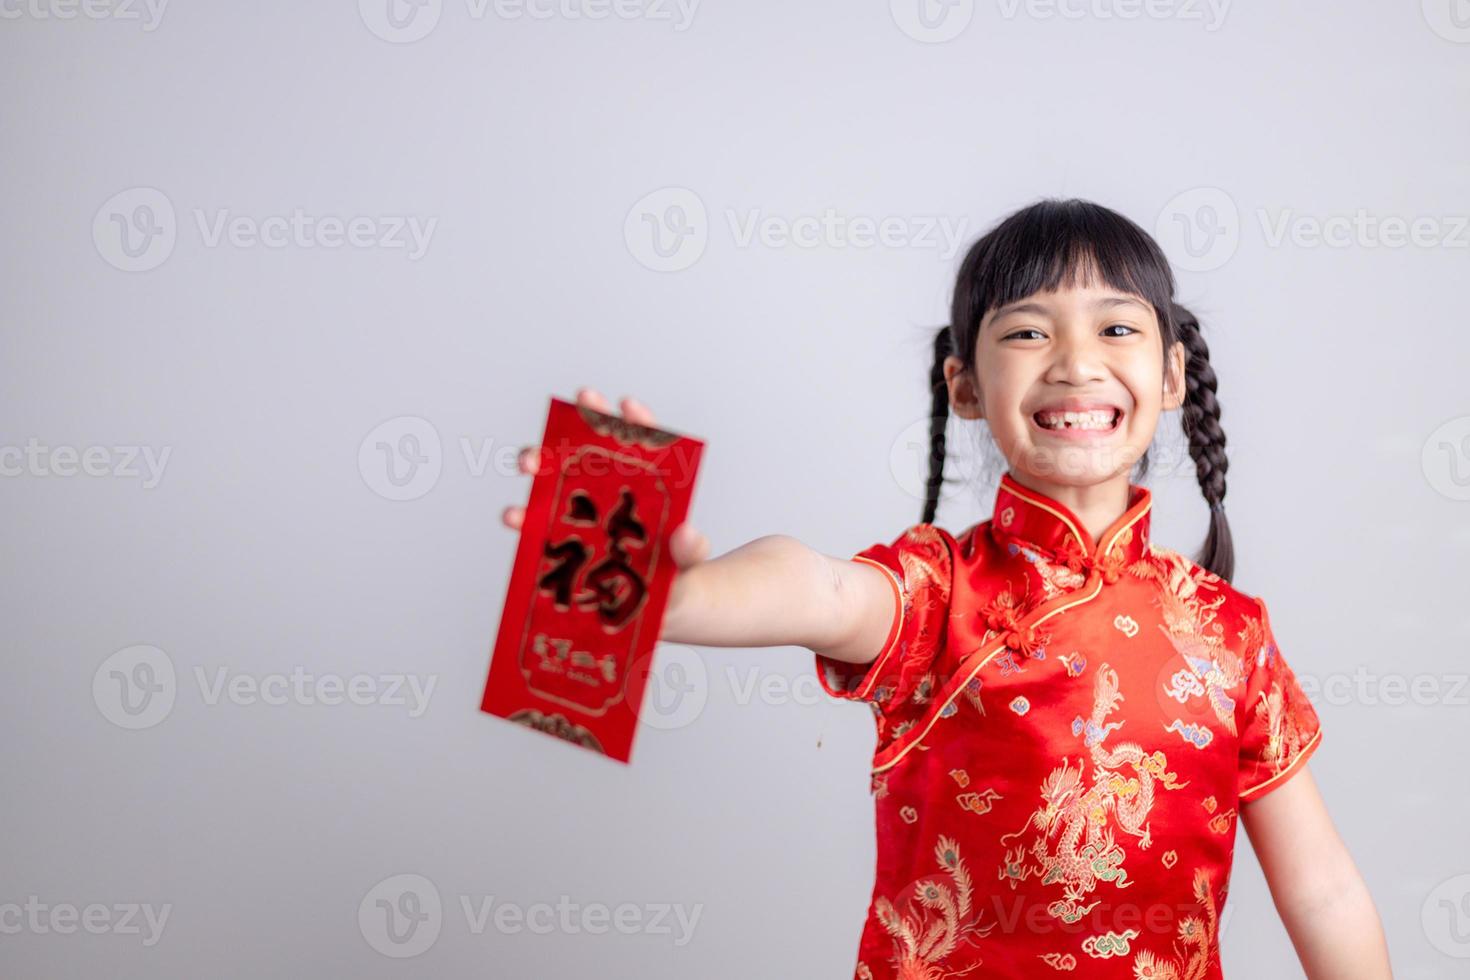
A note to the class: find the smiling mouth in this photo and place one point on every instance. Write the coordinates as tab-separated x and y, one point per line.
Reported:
1098	420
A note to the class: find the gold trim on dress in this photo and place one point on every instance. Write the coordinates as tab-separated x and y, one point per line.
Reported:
1250	793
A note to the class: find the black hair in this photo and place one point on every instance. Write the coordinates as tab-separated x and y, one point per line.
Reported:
1043	247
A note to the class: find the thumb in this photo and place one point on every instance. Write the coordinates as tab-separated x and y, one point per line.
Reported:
688	546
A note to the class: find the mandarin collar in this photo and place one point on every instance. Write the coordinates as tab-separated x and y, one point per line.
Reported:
1029	517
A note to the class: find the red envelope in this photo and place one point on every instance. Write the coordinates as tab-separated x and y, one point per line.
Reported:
591	578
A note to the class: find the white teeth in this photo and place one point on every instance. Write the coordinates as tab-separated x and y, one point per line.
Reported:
1099	419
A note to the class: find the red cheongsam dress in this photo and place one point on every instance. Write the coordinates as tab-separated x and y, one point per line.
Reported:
1067	730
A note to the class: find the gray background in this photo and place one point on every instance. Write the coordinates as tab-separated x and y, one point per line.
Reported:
270	544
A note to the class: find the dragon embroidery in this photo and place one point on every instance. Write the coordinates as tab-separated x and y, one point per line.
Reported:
1073	841
1211	669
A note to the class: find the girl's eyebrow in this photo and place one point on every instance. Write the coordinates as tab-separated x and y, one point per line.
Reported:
1104	303
1020	308
1108	302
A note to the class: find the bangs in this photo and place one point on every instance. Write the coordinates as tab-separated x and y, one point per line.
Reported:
1055	245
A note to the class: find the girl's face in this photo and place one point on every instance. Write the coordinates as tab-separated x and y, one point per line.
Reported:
1071	382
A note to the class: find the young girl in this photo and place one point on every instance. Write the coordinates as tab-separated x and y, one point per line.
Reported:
1071	718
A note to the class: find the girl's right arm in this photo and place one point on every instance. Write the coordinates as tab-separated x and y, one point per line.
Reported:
773	591
776	591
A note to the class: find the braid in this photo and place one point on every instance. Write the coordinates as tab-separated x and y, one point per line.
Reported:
1201	419
938	417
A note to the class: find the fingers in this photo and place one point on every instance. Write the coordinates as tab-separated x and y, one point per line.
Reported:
528	460
688	546
636	411
633	410
592	399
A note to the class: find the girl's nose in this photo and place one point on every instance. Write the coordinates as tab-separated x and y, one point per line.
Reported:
1075	364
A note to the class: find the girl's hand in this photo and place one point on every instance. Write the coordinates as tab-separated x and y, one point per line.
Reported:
687	546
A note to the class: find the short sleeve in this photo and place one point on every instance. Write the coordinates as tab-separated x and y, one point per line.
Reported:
919	566
1279	727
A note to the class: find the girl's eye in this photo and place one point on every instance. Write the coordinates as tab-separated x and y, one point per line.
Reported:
1018	333
1120	326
